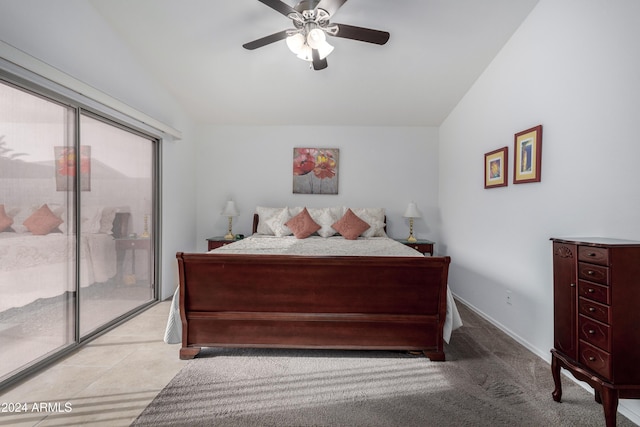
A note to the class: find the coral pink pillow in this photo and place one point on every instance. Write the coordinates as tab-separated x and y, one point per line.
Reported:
350	225
42	221
5	220
302	225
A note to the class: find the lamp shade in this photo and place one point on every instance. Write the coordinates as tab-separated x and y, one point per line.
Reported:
230	209
412	211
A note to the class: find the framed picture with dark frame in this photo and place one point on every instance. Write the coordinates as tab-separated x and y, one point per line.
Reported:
496	168
527	155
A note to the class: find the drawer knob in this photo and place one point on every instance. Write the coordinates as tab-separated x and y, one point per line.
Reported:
591	272
591	290
592	254
591	309
592	359
591	332
573	285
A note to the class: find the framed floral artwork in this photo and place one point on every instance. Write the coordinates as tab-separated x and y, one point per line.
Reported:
315	170
527	155
495	168
66	168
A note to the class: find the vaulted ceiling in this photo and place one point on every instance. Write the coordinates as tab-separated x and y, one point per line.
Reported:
437	49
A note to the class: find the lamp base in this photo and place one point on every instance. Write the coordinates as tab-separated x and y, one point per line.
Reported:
411	239
229	236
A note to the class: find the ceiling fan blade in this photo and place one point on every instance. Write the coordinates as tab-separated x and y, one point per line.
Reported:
266	40
331	6
279	6
361	34
318	64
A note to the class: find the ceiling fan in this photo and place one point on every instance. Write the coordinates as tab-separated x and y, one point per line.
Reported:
311	19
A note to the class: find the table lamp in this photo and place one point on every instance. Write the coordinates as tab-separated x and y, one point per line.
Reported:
411	213
230	211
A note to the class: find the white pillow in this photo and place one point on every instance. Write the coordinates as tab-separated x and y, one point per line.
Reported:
21	214
264	215
277	223
106	220
375	218
91	216
326	217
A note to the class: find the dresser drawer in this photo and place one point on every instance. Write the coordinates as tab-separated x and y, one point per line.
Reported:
595	359
594	310
594	332
593	255
594	292
593	273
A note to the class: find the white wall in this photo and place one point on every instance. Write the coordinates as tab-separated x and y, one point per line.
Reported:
74	38
379	167
573	67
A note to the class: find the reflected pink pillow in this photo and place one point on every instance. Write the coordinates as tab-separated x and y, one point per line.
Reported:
302	225
5	220
350	225
42	221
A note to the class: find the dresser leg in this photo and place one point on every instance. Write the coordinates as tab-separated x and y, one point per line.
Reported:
555	371
610	405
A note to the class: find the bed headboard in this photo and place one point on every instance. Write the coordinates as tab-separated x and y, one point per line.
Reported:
256	219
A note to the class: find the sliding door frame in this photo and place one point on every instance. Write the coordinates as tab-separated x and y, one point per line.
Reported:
36	85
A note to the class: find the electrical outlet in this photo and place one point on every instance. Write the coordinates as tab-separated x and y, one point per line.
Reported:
508	300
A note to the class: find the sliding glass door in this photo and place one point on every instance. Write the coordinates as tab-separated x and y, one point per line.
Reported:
37	247
77	225
117	270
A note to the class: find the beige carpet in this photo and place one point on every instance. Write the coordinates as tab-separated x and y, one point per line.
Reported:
487	380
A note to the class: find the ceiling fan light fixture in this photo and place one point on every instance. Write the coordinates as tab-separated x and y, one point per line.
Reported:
296	43
306	53
316	38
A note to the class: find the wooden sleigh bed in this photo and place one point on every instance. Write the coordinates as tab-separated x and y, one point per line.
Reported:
328	302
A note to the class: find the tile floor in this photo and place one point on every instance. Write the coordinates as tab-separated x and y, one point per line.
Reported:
108	382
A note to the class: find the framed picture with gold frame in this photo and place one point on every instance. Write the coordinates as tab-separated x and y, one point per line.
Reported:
527	155
495	168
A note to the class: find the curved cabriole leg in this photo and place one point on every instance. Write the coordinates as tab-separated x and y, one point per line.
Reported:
187	353
610	405
597	396
555	371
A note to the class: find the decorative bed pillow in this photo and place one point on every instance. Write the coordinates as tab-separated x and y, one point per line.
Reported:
277	223
302	225
91	217
264	216
326	217
42	221
106	220
5	220
351	226
375	218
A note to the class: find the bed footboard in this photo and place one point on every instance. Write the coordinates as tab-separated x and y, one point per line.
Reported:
393	303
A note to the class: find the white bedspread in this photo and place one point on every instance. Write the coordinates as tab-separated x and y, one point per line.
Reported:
33	267
319	246
315	246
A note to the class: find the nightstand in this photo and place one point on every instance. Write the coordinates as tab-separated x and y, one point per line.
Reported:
422	246
218	241
123	245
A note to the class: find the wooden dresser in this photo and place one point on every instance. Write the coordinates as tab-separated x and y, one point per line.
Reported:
596	284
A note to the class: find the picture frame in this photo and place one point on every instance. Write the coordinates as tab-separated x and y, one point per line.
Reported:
315	170
527	160
496	168
65	161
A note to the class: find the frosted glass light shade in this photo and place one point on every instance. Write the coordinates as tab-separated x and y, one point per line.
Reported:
296	43
316	38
